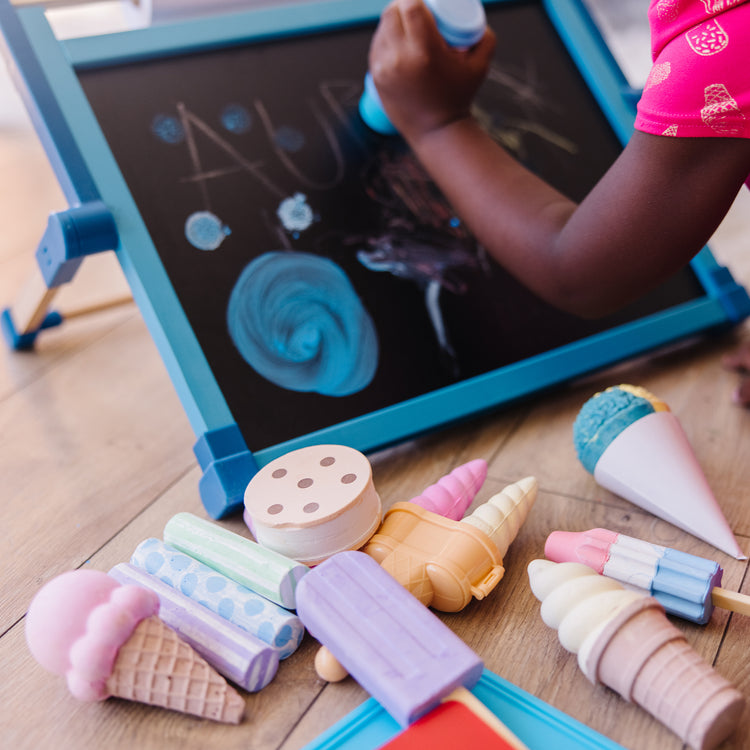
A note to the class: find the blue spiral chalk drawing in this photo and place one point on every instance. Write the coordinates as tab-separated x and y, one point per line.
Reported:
205	230
297	321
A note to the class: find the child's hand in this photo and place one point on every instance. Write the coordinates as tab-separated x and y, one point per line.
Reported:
424	83
739	361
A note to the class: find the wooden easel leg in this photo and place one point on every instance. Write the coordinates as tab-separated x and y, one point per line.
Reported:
32	305
31	312
70	236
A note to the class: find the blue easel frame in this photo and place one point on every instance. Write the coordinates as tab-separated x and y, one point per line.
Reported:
103	213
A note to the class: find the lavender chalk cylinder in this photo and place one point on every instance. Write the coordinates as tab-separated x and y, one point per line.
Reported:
239	656
237	604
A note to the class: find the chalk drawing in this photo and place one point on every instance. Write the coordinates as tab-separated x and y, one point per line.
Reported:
297	321
205	230
168	128
295	213
236	119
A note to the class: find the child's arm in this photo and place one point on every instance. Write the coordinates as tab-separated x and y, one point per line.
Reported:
653	210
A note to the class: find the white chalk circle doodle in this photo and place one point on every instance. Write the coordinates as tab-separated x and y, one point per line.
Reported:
295	213
205	230
297	321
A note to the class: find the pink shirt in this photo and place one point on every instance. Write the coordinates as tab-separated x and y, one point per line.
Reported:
699	85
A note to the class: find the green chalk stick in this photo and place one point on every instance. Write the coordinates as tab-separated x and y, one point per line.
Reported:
248	563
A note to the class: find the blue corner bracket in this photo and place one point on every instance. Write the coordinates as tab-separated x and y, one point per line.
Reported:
732	296
24	341
70	236
228	466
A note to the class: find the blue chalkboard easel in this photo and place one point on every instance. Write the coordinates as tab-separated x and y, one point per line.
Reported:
127	119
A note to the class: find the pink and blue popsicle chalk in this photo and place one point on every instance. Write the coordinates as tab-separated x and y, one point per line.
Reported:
681	582
237	604
393	645
239	656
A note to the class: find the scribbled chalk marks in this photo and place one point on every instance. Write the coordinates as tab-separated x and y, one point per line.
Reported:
429	261
205	230
297	321
524	88
236	119
168	128
295	213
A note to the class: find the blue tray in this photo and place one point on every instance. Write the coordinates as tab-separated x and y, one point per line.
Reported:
534	722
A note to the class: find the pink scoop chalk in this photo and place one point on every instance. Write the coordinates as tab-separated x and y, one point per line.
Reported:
593	551
451	495
78	621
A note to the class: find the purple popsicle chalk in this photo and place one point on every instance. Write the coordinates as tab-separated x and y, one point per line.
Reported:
395	647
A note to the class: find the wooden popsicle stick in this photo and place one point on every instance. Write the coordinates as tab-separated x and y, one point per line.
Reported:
35	299
731	600
468	699
32	305
97	307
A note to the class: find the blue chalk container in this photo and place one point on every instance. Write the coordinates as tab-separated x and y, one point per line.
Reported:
462	24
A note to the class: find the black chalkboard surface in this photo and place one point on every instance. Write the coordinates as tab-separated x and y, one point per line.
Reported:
280	216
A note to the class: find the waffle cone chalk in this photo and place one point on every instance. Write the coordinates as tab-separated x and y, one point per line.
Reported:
503	514
635	447
107	640
624	640
445	563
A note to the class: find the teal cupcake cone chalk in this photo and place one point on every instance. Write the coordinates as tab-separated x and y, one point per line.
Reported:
635	447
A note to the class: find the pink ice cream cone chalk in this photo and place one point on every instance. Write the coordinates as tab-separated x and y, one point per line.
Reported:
624	641
107	640
451	495
635	447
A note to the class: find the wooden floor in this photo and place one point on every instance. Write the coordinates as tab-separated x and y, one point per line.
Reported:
96	455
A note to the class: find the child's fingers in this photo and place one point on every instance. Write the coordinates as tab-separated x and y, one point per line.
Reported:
389	34
390	19
419	24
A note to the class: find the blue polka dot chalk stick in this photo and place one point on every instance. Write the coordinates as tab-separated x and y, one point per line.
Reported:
237	604
239	656
250	564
